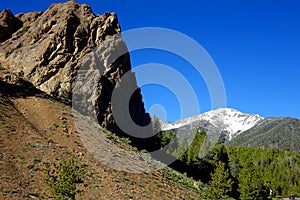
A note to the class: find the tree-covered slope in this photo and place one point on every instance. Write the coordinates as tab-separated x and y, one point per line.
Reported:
264	170
279	133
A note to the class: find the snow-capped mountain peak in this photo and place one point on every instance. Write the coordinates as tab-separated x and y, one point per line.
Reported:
225	119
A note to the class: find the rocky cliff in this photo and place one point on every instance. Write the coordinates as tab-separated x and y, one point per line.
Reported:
68	40
8	24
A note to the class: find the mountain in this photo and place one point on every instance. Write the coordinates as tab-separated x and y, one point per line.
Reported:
241	129
224	122
78	58
279	133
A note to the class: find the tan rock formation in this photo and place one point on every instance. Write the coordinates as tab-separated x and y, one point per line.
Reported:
53	46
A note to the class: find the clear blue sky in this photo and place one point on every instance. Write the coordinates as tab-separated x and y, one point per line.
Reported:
255	45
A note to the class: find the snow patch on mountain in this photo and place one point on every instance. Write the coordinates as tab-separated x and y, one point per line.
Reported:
226	119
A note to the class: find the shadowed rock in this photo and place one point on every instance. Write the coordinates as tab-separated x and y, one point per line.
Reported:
68	41
8	24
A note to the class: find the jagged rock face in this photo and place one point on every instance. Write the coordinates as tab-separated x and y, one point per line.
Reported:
50	51
8	24
28	18
68	38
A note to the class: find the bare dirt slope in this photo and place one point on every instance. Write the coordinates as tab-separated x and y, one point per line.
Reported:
35	130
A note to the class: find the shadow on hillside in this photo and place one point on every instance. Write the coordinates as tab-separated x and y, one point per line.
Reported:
22	88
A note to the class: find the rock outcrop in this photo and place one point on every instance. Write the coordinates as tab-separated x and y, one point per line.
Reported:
68	41
28	18
8	24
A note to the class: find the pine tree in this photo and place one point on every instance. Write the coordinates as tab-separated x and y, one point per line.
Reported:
251	185
156	126
205	148
161	138
195	146
219	153
220	184
181	150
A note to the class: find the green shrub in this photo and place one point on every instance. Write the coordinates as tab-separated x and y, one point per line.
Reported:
144	151
24	30
63	177
125	140
36	160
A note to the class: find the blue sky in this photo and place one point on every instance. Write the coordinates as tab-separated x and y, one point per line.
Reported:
255	45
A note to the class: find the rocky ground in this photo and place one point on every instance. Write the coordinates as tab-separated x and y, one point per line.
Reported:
36	130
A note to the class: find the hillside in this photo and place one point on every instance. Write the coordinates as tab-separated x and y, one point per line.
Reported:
36	130
279	133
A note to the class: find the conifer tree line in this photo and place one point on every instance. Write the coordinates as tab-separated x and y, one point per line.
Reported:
234	172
